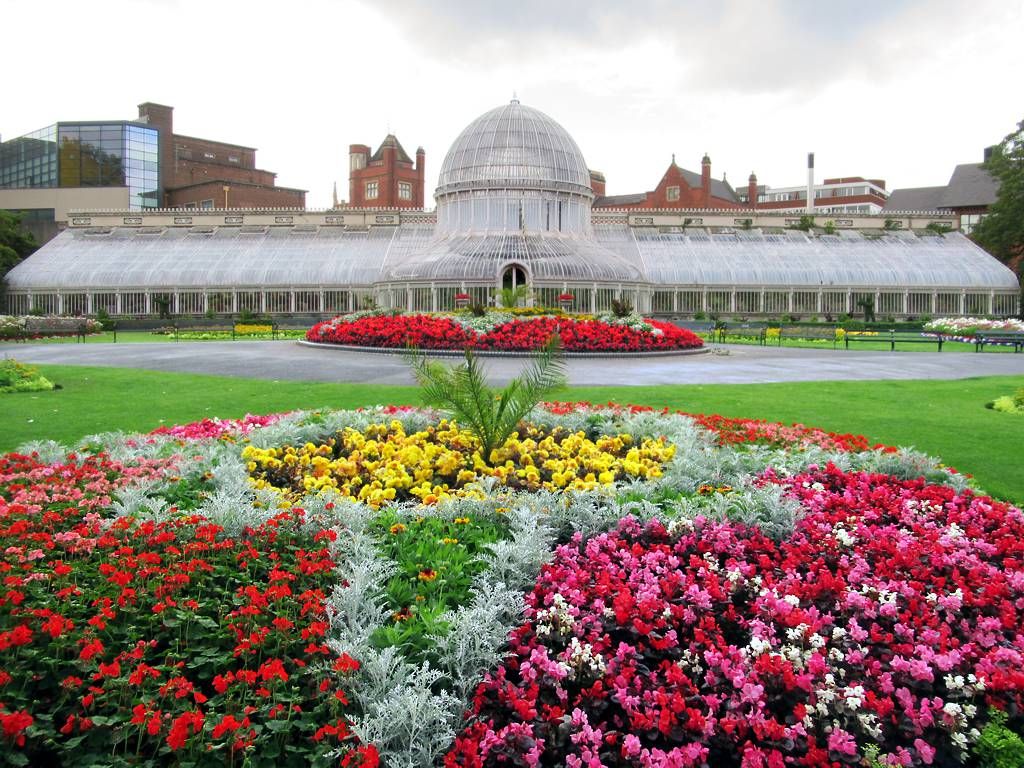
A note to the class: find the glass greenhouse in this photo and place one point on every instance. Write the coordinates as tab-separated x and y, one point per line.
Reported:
513	207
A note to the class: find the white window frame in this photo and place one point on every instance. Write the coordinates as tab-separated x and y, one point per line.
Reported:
372	190
404	190
672	194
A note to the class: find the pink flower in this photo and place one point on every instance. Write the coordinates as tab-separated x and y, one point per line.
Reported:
842	742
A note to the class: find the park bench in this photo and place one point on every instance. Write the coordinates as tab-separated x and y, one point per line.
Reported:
756	331
806	333
1008	338
45	327
893	337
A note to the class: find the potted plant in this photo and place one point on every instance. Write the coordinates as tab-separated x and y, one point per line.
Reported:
565	301
462	300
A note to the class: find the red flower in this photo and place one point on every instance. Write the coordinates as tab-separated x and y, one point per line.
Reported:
184	726
227	725
14	726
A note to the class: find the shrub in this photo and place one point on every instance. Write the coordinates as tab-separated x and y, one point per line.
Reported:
18	377
999	747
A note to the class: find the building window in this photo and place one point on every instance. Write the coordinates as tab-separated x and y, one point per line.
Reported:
968	221
206	204
404	190
357	162
672	194
372	190
233	159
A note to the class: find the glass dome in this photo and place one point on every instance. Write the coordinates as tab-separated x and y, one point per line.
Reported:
514	169
514	146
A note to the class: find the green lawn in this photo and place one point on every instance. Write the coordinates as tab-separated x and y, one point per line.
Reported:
943	418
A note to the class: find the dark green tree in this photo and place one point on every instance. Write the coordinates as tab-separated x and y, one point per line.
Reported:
15	243
1001	231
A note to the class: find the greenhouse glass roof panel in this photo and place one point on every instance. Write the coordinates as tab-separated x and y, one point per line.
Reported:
513	145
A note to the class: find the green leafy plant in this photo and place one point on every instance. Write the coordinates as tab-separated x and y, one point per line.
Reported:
621	308
1009	403
436	561
999	747
806	223
510	297
18	377
477	309
868	305
829	228
491	416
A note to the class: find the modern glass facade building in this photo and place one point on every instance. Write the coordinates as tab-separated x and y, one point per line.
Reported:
87	154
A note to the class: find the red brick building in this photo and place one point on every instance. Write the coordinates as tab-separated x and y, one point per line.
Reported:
678	188
386	179
203	173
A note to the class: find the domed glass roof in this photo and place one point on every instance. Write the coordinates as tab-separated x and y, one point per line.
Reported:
514	146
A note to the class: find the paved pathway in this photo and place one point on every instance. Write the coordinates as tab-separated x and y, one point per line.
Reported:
724	364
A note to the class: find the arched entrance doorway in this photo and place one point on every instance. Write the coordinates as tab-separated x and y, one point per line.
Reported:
513	277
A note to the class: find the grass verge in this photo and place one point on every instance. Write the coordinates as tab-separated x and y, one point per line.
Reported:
943	418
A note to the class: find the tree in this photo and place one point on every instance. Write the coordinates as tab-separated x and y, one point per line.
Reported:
1001	231
15	243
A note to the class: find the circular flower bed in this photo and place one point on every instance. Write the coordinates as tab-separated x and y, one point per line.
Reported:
383	463
502	331
733	593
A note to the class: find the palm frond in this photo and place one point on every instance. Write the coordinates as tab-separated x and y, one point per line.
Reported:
462	390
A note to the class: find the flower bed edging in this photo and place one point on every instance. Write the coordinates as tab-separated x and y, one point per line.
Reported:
510	353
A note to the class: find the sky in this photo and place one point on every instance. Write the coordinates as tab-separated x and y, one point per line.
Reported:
892	89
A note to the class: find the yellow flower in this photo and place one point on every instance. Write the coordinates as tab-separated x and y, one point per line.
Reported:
396	529
427	574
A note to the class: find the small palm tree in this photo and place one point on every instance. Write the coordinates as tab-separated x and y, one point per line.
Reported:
510	297
491	416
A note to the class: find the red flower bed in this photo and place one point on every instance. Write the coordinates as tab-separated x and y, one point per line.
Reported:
160	642
732	431
891	617
520	334
394	332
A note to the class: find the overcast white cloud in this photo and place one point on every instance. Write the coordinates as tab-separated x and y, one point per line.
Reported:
885	89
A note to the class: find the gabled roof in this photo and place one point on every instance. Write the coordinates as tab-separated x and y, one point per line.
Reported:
720	189
914	199
391	141
971	184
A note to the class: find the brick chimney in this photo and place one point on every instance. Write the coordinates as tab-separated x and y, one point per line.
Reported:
597	183
358	158
421	165
705	179
752	190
